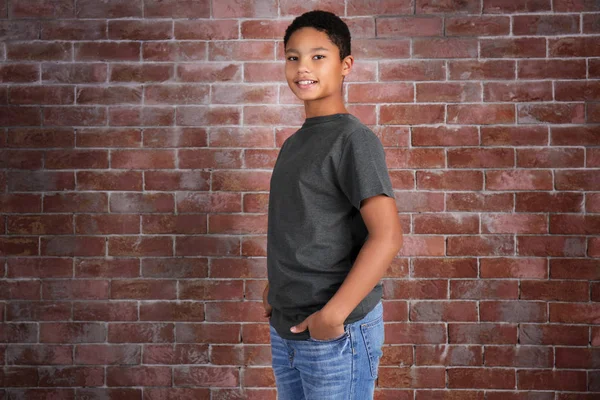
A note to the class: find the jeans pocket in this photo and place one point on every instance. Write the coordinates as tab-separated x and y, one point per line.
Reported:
373	336
332	340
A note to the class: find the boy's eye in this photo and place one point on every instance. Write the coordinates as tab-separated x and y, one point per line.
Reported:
319	56
292	58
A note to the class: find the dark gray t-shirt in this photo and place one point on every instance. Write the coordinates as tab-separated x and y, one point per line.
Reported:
315	229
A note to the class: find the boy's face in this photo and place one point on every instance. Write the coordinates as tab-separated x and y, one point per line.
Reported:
313	68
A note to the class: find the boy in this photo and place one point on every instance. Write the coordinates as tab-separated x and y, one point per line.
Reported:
330	188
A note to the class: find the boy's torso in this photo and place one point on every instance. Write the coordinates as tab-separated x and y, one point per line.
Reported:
314	232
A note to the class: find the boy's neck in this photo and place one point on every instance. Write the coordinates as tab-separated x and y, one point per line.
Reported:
318	109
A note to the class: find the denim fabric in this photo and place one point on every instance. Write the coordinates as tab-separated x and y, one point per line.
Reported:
343	368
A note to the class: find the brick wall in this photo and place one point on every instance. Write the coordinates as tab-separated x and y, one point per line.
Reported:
138	139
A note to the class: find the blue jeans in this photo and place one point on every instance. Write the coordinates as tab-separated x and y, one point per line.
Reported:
343	368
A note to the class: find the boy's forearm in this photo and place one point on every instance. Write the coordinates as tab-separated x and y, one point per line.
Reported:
370	266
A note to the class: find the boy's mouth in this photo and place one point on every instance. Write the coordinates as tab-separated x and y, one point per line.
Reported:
306	83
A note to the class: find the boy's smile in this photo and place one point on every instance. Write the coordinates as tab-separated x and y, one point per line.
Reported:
315	73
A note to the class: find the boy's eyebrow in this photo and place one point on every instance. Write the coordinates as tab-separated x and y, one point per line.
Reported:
313	49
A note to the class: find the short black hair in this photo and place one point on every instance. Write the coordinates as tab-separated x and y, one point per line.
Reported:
323	21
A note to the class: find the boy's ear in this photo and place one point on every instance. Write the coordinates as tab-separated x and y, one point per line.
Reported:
347	64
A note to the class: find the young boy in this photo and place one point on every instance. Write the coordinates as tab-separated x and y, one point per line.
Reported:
330	189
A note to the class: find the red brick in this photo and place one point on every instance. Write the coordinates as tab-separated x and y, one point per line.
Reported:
548	202
141	202
569	357
550	158
290	7
109	95
575	224
74	30
105	311
175	268
108	268
35	311
208	376
41	9
444	48
76	159
19	159
100	354
19	116
212	290
140	30
178	393
479	202
552	380
511	223
411	114
586	269
179	354
409	26
176	137
209	333
76	202
174	224
477	26
74	376
577	180
513	48
72	332
39	268
545	24
39	355
204	115
264	72
557	246
578	46
138	376
509	6
416	289
107	224
445	223
187	311
109	8
523	356
36	181
258	376
207	246
513	311
176	94
208	202
210	72
74	73
481	378
146	116
380	48
519	180
514	268
74	116
234	94
590	23
174	51
443	311
238	268
383	7
141	72
240	51
19	73
585	313
84	246
140	246
107	51
449	355
177	180
38	51
177	8
207	29
265	29
40	225
143	289
412	377
20	290
476	245
546	69
75	289
444	268
41	95
109	180
141	332
143	159
580	135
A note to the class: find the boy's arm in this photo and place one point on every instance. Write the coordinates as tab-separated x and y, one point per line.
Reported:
383	243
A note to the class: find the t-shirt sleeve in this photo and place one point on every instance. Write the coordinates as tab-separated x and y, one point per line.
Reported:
362	171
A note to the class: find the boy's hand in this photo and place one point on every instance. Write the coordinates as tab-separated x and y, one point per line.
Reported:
266	304
319	326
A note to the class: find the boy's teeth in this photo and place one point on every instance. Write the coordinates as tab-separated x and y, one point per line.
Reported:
306	82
